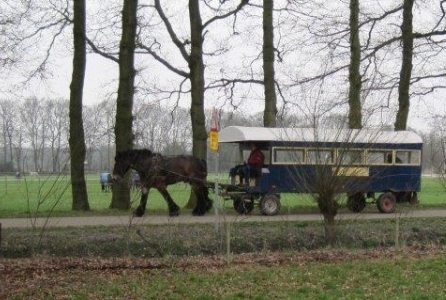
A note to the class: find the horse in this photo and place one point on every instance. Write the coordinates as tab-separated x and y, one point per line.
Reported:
158	171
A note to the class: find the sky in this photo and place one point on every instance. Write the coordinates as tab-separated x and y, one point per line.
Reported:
100	81
101	84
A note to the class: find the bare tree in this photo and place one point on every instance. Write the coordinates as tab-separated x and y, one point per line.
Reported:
57	132
270	111
32	118
12	134
124	116
170	134
324	31
30	33
196	66
40	26
354	95
434	158
77	136
8	124
99	135
18	148
195	74
194	60
406	66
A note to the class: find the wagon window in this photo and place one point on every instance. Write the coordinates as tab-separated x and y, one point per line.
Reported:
411	157
377	157
351	157
288	156
317	156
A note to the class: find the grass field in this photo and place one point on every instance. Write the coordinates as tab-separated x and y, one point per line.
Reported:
315	275
268	261
43	194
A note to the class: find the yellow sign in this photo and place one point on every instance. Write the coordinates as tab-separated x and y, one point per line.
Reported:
213	141
213	138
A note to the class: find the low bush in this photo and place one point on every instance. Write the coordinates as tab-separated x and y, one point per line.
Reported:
204	239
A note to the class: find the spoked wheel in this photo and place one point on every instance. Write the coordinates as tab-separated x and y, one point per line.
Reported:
356	202
270	205
243	204
386	203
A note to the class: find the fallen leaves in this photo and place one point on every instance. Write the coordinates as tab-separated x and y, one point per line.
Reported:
20	275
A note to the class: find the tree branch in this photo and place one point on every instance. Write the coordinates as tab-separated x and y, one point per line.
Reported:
100	52
224	82
162	60
180	45
233	12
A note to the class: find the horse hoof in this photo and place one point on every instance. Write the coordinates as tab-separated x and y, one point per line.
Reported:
138	214
198	213
174	214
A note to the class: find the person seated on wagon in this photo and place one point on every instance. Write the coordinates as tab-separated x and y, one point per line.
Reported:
252	167
390	159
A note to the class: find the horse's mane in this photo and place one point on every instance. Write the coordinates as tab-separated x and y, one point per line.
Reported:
136	152
144	151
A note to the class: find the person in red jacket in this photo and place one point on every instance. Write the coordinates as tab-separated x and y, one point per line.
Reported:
251	167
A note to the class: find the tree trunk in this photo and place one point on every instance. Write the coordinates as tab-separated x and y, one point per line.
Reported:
354	95
196	66
269	115
77	139
124	116
199	148
330	229
329	209
406	67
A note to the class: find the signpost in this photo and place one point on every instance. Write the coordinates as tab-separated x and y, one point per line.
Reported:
213	146
214	131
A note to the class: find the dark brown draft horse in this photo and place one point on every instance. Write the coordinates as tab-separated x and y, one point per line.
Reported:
158	171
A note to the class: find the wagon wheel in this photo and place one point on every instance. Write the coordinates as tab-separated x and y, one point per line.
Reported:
356	202
270	205
243	204
386	203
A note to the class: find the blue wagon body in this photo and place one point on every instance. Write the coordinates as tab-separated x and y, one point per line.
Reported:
363	162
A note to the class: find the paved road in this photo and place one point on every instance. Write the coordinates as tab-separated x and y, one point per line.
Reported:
209	218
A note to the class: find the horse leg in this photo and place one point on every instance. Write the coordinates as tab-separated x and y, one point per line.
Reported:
174	209
208	201
204	204
204	192
141	209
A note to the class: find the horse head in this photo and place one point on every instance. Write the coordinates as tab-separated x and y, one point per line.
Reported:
129	159
122	165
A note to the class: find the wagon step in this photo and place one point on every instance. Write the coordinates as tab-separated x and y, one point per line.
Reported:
229	190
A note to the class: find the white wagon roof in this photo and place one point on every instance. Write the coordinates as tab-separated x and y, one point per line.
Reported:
234	134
